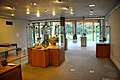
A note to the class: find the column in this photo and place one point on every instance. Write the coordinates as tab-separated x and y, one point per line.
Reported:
38	29
83	28
62	24
75	23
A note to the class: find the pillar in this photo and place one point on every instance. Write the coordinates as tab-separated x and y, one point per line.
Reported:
75	27
62	24
38	29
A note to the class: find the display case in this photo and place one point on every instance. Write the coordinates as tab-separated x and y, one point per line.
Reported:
10	62
50	50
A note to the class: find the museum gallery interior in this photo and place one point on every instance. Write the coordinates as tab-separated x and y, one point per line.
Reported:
59	40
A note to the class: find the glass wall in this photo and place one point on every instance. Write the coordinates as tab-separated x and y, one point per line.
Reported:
69	30
92	30
79	29
96	31
88	30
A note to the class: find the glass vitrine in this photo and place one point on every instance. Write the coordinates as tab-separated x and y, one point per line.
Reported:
48	35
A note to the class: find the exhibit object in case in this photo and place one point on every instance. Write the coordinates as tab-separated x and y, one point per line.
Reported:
53	54
9	70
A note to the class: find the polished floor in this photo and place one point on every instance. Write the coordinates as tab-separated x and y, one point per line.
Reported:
80	64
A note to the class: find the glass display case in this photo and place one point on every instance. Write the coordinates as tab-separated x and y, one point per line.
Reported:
10	62
48	35
51	46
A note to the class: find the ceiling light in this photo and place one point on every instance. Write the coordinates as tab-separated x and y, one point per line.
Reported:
38	13
10	8
65	8
71	12
33	4
28	9
91	71
91	5
72	70
27	12
91	14
58	1
53	12
91	11
46	10
12	14
71	9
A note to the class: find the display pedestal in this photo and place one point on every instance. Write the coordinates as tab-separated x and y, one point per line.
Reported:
57	55
83	41
103	50
40	57
29	54
53	55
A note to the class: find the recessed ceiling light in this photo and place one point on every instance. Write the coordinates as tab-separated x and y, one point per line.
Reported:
91	11
12	14
33	4
91	5
91	71
72	70
53	12
46	10
27	12
66	8
91	14
58	1
38	13
71	12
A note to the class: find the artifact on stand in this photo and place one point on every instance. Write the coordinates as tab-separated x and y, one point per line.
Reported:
4	62
54	40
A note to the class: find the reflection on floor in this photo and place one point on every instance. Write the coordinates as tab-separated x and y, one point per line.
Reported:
80	64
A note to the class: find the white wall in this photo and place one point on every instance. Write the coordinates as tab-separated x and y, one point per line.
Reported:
15	33
115	37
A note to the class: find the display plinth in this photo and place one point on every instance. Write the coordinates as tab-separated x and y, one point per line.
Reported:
57	55
40	57
52	55
103	50
83	41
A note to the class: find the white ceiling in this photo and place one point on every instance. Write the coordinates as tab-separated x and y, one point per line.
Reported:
80	8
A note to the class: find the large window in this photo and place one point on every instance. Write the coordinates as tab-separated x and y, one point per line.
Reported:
92	30
88	30
79	29
96	31
69	30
